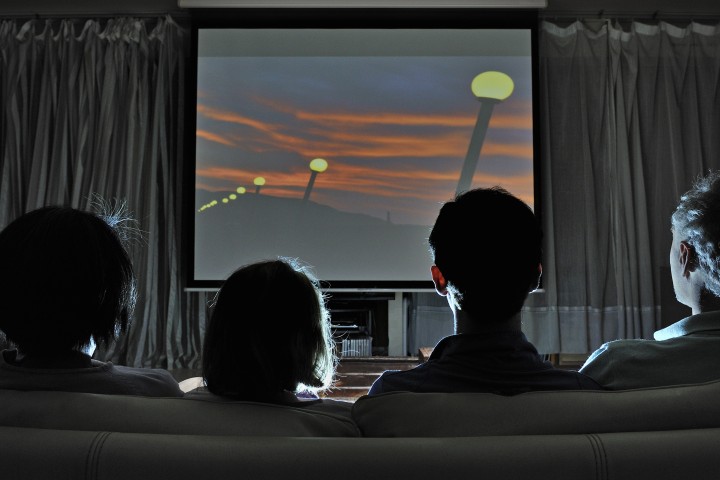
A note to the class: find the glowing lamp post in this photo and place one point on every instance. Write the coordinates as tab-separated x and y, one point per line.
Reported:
490	88
318	165
259	182
241	190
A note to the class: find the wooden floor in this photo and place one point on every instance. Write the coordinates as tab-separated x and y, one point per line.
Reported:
355	375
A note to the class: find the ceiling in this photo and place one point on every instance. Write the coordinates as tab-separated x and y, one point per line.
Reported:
688	9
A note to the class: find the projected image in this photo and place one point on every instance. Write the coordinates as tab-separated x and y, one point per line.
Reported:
343	158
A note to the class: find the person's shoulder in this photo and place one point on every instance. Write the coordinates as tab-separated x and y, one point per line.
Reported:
386	381
399	380
622	363
141	371
147	381
615	347
378	386
606	355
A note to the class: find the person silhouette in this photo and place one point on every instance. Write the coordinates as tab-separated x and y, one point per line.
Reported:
688	351
486	247
66	285
269	336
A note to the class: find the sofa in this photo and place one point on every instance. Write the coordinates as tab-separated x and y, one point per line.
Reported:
652	433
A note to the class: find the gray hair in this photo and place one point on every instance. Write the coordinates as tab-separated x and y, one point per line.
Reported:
696	220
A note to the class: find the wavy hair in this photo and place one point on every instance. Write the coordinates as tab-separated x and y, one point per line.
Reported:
696	220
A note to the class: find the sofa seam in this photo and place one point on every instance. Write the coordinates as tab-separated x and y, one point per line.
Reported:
600	455
93	456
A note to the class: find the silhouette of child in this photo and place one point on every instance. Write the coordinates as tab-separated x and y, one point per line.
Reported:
269	338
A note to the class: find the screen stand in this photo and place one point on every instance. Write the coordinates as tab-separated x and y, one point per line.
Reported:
397	326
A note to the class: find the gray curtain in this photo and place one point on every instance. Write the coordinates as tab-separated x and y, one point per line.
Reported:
630	116
96	108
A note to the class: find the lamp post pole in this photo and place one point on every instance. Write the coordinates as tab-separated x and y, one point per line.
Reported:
259	182
490	88
317	165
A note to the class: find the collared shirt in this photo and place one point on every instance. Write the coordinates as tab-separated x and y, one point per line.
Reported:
685	352
503	362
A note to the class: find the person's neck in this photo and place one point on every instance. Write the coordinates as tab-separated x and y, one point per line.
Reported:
465	323
703	301
707	302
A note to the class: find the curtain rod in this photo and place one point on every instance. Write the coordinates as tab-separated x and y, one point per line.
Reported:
656	15
542	14
91	15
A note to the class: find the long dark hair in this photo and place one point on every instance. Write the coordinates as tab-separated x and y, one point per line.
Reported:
269	331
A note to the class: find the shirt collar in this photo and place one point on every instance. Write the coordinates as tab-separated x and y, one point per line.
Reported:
702	322
474	342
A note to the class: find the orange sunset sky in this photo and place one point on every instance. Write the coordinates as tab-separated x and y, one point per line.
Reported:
394	130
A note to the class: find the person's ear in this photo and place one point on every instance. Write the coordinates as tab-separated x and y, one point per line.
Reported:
688	259
439	280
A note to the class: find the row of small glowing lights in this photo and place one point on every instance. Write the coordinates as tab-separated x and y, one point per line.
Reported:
317	165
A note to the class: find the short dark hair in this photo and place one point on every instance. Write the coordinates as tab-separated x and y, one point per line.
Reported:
269	331
65	278
696	220
488	246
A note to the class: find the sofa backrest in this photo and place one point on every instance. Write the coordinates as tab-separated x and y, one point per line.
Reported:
403	414
36	454
135	414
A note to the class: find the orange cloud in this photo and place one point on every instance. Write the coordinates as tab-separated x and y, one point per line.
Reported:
512	122
521	119
520	122
231	117
346	135
214	137
386	119
343	143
